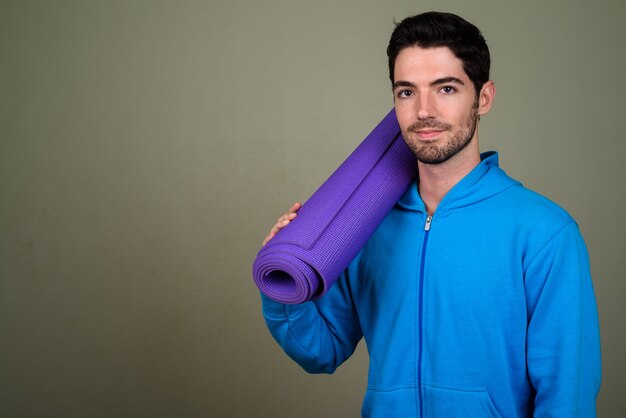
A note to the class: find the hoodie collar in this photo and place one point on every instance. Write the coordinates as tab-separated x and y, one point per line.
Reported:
485	180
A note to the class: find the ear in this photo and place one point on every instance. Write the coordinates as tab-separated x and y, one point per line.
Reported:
486	97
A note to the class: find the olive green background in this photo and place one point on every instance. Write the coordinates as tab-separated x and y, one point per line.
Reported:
146	147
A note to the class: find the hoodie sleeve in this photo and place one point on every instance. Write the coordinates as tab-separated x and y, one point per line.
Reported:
319	335
563	341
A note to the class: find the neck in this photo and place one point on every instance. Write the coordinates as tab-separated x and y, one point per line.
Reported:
436	180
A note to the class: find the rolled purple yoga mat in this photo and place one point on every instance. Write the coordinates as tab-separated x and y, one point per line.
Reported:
305	258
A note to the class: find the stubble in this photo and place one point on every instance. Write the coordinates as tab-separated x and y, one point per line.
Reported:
437	152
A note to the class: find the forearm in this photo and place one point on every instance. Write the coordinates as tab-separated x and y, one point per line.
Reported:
297	329
318	336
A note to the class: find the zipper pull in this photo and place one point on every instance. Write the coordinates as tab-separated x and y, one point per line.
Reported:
429	219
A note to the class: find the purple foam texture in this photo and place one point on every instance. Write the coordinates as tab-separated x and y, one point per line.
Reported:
305	258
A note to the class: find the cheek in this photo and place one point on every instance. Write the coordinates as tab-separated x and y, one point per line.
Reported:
455	114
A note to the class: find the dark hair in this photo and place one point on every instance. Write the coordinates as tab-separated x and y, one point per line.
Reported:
433	29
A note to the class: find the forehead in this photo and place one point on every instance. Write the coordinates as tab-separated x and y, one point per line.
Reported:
417	64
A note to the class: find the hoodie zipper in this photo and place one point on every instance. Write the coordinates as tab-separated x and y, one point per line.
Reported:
420	320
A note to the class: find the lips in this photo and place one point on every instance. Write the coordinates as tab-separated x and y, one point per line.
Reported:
428	134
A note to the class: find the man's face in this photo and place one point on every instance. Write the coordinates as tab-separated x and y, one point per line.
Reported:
436	104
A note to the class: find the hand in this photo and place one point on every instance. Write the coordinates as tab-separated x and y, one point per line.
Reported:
283	221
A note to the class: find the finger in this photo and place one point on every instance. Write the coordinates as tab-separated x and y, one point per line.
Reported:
283	223
279	225
287	217
291	213
295	207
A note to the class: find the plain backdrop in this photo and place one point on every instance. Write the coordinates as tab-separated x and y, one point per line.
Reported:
146	148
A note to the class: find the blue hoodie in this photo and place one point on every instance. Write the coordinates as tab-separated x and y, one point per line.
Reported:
485	309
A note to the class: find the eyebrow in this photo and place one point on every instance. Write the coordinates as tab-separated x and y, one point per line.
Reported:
401	83
446	80
437	82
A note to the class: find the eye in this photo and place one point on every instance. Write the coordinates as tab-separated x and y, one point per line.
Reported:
404	93
448	90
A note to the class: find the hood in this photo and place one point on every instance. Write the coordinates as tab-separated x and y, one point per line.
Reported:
484	181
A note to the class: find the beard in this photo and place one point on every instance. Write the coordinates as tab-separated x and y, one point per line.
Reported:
433	153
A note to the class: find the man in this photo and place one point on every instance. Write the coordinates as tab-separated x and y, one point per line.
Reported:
474	294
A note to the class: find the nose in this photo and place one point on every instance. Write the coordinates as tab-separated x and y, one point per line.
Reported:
426	107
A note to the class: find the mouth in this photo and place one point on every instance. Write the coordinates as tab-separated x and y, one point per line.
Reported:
428	134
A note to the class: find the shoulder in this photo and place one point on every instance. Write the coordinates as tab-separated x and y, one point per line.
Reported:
537	210
536	223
